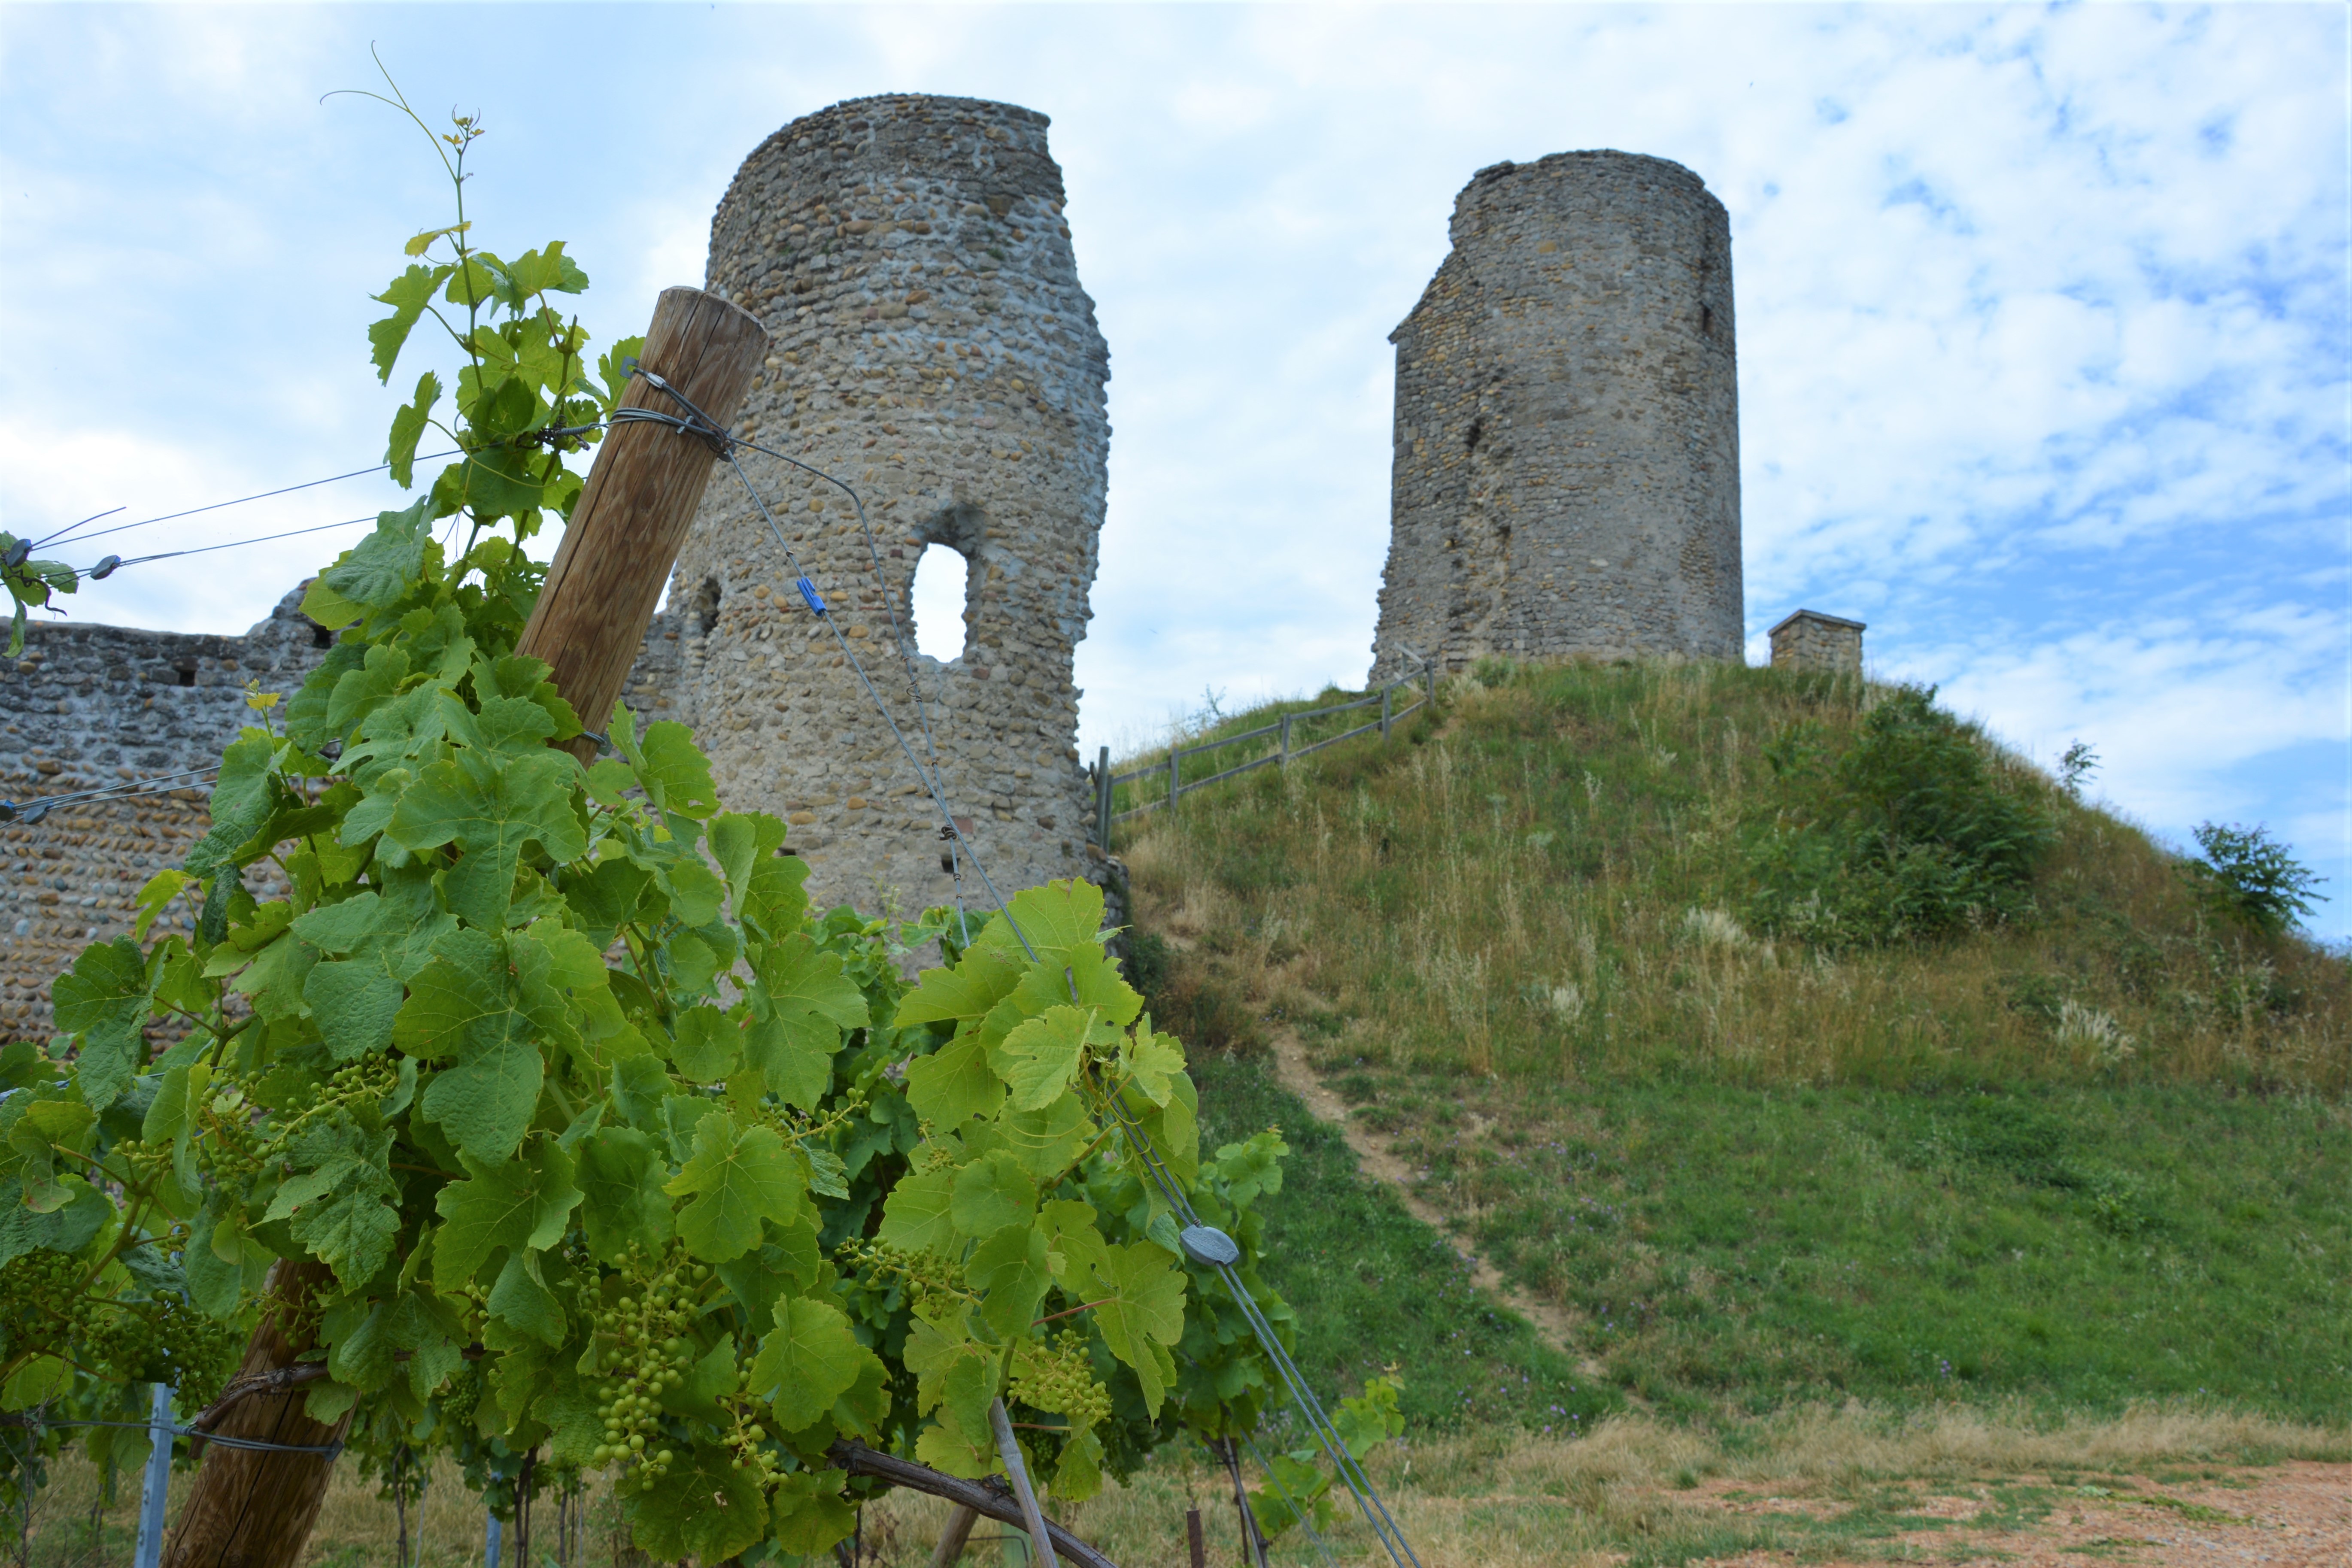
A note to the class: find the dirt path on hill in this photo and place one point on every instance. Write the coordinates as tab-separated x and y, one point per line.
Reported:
1374	1157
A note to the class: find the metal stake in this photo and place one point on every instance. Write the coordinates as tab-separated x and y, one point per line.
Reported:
1008	1447
155	1486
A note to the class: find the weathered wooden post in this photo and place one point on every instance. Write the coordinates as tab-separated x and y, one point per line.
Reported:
253	1509
1387	692
638	503
953	1537
1285	740
1175	780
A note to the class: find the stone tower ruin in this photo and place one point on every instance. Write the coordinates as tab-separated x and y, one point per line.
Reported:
932	348
1566	475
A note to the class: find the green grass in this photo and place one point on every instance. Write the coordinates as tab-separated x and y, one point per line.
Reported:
1725	1246
1375	1288
2085	1153
1730	1250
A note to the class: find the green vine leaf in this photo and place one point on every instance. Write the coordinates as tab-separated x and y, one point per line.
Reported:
808	1361
516	1204
736	1178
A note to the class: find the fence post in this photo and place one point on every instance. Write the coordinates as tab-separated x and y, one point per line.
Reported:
1285	740
256	1509
490	1543
154	1489
1175	780
1103	798
1387	692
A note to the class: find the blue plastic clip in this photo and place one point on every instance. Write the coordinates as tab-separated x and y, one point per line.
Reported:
808	592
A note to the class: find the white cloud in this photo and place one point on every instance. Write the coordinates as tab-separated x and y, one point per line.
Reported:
2042	327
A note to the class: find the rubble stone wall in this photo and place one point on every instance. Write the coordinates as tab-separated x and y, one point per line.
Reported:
91	707
933	349
1566	471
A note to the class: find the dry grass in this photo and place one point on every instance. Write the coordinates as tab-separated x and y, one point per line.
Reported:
1497	1497
1547	880
356	1526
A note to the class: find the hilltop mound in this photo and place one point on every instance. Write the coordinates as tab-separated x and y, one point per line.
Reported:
1776	1041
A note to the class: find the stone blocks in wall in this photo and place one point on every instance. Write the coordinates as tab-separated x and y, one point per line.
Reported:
89	707
1566	472
1811	641
933	348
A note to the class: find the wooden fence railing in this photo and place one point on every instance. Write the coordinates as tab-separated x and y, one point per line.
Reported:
1171	768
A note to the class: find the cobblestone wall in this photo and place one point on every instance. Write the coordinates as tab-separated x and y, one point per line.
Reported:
933	348
92	706
1566	474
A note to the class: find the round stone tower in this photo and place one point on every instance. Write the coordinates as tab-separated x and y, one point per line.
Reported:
933	349
1566	475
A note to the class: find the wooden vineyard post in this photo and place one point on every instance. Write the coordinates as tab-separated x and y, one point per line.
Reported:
253	1509
638	503
246	1504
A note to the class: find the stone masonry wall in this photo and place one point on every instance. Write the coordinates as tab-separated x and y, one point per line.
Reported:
1811	640
1567	443
932	348
92	706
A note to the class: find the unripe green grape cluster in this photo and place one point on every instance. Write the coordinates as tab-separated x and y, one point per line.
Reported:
460	1396
140	1162
162	1340
931	1280
38	1293
1060	1378
231	1153
643	1338
44	1294
747	1443
369	1080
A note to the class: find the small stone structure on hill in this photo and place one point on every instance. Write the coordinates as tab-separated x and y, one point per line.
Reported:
1566	473
91	707
1811	640
933	348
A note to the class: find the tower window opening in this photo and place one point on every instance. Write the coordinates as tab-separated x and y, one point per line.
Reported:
942	584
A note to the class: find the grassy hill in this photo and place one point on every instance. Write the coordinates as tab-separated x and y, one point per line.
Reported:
1778	1043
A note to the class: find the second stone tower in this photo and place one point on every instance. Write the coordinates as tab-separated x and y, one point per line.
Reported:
1566	474
933	348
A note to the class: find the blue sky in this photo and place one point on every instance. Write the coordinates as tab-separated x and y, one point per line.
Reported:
2043	331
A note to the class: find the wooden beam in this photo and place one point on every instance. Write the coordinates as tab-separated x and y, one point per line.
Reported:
860	1460
251	1509
638	503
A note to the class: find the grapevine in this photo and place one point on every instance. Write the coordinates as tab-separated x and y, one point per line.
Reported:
621	1156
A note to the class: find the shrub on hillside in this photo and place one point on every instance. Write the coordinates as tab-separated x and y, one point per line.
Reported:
1907	830
2250	879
